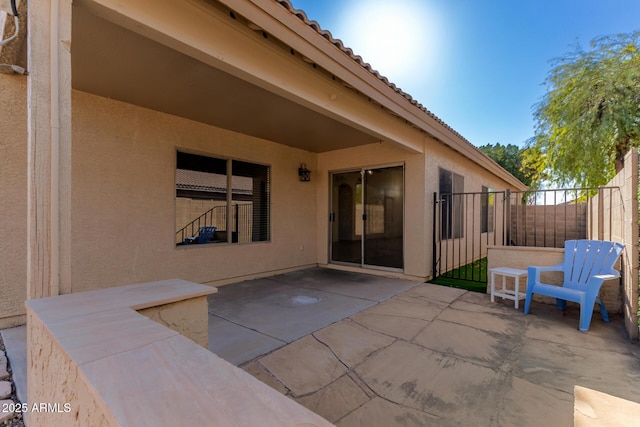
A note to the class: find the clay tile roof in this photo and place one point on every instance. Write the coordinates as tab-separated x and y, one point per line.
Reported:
211	182
300	14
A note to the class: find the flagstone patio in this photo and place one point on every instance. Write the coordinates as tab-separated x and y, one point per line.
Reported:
433	355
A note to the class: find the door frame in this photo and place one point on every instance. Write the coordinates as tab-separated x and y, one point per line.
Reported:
333	214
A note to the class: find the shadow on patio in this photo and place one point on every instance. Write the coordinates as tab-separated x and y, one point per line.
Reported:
374	351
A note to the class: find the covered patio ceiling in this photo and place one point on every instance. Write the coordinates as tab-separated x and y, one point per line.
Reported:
111	61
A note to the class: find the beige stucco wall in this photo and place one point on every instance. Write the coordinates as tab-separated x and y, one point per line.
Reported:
13	199
123	200
475	177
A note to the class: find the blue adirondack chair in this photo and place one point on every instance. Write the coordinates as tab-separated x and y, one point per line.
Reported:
587	264
205	234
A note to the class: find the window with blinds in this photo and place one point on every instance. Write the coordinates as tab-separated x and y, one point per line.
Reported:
487	202
221	200
451	187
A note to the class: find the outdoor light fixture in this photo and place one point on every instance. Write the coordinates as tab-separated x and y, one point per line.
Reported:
304	173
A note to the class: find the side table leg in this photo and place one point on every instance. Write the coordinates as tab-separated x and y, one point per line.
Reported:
517	292
493	286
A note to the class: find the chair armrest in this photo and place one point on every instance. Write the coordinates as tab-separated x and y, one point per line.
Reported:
607	276
595	282
533	275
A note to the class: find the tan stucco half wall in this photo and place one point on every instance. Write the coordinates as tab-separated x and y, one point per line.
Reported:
94	361
593	408
13	199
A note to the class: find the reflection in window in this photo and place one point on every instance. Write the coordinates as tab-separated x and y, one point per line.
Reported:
452	204
487	203
207	212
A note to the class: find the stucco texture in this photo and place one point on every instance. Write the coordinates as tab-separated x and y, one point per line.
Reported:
13	200
55	379
189	318
123	200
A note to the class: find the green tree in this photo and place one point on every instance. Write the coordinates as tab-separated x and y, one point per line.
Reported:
590	116
509	157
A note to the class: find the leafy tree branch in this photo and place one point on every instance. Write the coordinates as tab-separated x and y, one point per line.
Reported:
590	116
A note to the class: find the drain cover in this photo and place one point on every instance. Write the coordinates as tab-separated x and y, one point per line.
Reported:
304	300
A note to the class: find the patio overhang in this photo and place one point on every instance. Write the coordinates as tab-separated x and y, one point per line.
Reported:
205	62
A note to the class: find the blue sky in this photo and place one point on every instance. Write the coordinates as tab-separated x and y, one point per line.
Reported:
478	65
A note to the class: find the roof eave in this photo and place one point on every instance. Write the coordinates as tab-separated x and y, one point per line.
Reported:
291	26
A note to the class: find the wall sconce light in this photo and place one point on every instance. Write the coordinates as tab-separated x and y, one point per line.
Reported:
304	173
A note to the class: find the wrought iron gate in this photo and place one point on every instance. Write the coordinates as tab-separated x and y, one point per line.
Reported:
464	225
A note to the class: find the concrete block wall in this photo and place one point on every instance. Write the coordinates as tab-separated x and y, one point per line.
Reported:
618	221
548	225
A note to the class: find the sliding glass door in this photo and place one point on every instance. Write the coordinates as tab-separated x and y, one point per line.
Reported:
367	217
346	235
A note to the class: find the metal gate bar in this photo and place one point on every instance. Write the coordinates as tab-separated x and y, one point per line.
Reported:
464	225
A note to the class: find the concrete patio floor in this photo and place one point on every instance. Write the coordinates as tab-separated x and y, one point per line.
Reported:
251	318
364	350
413	354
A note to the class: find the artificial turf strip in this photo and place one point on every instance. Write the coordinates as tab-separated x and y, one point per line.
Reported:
461	277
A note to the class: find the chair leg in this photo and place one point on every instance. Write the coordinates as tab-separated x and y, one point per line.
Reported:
561	304
603	309
527	300
586	312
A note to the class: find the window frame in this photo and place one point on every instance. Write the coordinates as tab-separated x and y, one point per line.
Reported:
257	193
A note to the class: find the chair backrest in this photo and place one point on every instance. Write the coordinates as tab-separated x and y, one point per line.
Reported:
586	258
206	233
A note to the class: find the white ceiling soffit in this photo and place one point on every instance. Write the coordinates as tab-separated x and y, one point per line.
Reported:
111	61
